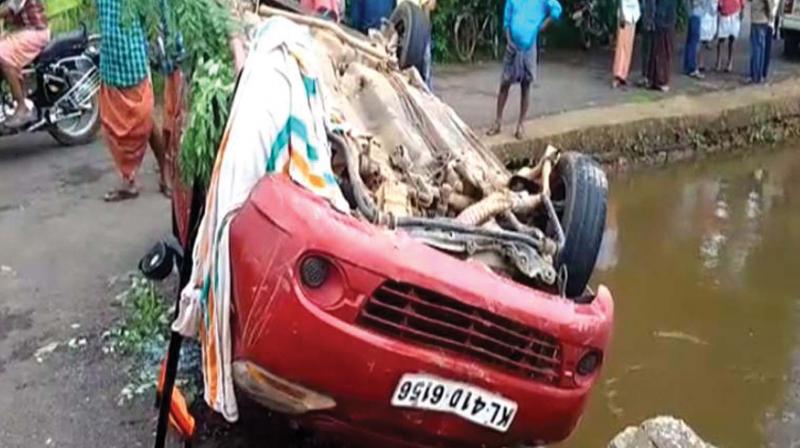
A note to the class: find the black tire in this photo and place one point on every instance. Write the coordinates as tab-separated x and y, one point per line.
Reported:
791	44
86	136
414	32
579	185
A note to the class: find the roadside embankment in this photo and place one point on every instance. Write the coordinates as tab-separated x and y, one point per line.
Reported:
676	128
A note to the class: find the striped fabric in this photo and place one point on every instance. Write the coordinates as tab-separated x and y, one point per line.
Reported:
123	49
278	126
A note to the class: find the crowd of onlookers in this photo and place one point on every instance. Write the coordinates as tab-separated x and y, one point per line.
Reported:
712	24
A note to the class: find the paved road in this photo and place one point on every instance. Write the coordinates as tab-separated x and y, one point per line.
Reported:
60	249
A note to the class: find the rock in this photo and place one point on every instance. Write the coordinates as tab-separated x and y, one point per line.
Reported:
659	432
631	437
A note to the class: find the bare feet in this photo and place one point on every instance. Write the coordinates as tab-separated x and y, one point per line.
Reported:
519	134
163	187
494	130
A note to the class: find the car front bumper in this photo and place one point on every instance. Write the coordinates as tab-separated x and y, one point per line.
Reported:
309	345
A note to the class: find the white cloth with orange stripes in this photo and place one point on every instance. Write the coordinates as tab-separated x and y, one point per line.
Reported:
278	124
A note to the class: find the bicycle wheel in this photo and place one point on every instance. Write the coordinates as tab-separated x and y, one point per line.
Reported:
465	34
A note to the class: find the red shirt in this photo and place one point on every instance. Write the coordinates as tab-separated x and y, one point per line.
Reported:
317	6
730	7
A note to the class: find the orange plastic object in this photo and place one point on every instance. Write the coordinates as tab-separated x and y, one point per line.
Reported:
180	419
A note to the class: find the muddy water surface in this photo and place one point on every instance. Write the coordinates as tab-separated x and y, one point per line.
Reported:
704	263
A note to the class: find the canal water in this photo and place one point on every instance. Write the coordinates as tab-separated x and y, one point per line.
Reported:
703	260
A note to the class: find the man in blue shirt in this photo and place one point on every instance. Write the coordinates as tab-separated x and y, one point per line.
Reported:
366	14
523	20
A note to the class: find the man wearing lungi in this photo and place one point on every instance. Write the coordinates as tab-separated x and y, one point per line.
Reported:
19	48
522	22
126	98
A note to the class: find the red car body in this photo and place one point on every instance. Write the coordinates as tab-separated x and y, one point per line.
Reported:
333	355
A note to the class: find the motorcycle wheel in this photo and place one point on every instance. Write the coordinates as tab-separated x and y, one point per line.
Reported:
80	130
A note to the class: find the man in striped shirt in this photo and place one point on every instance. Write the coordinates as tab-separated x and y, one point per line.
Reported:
126	98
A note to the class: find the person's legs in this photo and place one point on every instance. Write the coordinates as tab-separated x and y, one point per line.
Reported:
718	64
661	62
159	147
701	56
428	64
512	73
126	117
644	53
524	104
757	44
729	66
502	98
17	50
14	78
690	53
622	55
767	51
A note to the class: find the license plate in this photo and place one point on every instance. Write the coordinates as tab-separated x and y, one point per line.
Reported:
466	401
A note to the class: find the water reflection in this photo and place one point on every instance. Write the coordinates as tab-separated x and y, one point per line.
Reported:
702	262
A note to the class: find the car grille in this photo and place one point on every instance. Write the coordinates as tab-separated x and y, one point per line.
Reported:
408	312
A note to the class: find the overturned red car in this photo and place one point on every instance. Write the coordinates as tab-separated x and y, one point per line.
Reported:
450	307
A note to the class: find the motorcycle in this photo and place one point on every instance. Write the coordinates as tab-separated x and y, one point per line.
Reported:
590	27
62	86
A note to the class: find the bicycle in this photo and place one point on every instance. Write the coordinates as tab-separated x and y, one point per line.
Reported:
468	36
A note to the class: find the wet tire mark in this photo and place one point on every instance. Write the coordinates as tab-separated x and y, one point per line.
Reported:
11	321
82	174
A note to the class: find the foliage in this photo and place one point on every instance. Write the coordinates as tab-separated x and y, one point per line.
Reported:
67	15
205	27
145	322
563	34
142	335
211	92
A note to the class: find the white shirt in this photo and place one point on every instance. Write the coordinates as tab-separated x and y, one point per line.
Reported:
629	11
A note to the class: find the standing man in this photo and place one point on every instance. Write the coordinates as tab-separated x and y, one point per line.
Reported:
629	14
659	65
126	98
692	48
19	47
648	34
730	23
761	16
523	20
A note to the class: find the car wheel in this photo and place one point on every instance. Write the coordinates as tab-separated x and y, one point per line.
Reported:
580	195
414	33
